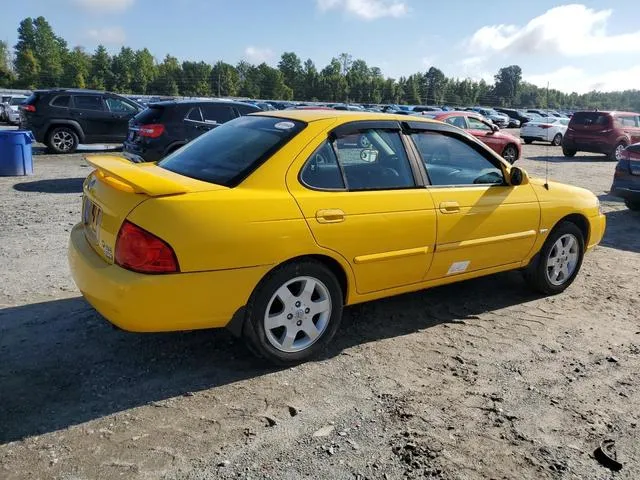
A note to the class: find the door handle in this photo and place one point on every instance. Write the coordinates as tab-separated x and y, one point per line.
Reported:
449	207
331	215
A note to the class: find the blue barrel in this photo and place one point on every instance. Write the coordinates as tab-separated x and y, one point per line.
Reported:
15	153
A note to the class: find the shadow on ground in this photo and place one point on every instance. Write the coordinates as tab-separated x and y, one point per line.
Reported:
58	185
623	230
562	159
62	364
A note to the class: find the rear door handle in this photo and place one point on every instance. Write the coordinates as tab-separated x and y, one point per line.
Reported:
331	215
449	207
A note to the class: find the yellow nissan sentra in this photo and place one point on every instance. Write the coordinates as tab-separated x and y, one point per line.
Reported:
271	223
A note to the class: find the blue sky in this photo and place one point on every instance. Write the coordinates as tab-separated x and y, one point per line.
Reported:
574	47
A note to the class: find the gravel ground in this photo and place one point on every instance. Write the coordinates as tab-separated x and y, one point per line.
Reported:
476	380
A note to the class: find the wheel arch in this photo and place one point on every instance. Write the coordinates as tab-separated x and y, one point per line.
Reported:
65	123
579	221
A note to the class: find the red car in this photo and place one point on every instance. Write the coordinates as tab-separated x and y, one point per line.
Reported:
502	143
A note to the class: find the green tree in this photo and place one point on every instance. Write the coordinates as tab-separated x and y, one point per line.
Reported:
77	67
434	83
143	71
225	80
101	76
291	68
50	52
122	68
26	65
7	77
196	79
507	83
310	81
169	78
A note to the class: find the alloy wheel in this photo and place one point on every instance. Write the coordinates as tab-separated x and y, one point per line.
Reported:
563	259
510	154
62	140
297	314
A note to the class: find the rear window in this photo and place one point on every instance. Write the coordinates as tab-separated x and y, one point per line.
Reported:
228	154
17	100
151	114
590	118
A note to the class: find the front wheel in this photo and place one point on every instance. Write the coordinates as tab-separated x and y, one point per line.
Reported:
569	152
635	206
510	153
616	153
294	313
559	260
557	140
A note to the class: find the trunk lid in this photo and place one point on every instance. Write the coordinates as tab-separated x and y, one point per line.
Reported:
590	125
116	187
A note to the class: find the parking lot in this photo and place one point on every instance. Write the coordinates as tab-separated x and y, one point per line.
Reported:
475	380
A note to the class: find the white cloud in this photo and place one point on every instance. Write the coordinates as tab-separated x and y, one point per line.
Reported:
569	30
366	9
100	6
258	55
572	79
107	35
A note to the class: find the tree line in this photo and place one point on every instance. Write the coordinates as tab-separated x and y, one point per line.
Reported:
42	59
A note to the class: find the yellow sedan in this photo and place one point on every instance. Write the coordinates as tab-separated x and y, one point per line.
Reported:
271	223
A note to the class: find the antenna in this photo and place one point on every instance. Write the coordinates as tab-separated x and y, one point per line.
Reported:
546	162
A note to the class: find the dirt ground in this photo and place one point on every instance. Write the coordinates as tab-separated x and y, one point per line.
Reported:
478	380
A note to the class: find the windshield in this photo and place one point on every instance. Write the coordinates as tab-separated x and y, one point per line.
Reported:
229	153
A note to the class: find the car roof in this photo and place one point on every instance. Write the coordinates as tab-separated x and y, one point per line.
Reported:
168	103
342	115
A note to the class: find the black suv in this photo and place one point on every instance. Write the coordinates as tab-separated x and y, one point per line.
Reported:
64	118
164	127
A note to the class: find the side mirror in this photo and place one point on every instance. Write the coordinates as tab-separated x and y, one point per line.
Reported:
495	128
518	176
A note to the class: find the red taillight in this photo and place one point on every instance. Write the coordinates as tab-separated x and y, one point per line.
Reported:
141	251
544	127
153	130
28	108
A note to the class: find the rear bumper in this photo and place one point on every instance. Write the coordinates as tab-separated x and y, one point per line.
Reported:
588	146
159	303
141	153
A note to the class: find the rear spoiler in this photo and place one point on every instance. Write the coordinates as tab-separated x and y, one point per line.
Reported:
148	179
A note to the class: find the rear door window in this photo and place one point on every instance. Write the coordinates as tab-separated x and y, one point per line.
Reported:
116	105
217	113
61	101
88	102
195	114
229	153
627	121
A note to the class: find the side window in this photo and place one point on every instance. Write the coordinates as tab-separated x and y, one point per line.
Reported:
475	124
322	170
116	105
88	102
369	160
217	113
61	101
457	121
451	161
627	121
245	109
195	115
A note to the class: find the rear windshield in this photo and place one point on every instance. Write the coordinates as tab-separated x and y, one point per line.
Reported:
151	114
17	100
590	118
229	153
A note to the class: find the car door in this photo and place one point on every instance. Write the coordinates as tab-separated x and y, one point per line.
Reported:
482	221
363	200
120	114
91	113
194	125
630	125
485	133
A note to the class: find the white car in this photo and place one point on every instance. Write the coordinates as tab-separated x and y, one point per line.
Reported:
546	129
13	110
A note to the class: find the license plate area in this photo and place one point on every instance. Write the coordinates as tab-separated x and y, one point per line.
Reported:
91	218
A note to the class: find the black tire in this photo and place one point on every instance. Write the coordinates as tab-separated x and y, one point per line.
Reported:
613	156
536	274
557	140
635	206
62	140
254	330
569	152
528	141
510	153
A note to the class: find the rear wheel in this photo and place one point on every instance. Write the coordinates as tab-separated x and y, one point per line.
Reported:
559	260
62	140
635	206
510	153
294	313
557	140
568	152
528	141
616	153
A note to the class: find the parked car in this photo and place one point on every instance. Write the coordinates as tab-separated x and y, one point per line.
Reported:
4	100
12	110
497	118
508	146
426	108
267	227
164	127
549	129
626	179
64	118
601	132
516	115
